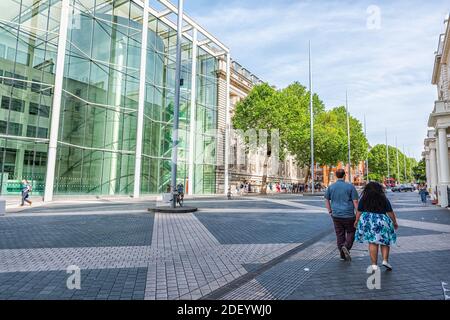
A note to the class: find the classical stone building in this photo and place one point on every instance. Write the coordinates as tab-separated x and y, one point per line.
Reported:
250	166
437	142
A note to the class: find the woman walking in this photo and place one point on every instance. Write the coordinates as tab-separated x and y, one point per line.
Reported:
26	188
376	223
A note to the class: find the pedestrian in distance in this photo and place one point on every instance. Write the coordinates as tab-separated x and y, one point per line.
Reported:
423	192
376	223
25	189
341	200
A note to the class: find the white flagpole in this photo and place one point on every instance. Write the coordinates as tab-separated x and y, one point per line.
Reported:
348	140
311	110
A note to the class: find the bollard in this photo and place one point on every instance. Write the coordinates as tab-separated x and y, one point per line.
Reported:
2	207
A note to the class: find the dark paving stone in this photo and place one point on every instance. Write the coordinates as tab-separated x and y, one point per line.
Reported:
76	231
406	231
251	266
52	285
441	216
262	228
409	280
239	205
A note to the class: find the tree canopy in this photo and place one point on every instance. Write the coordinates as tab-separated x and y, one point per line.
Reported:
378	164
288	110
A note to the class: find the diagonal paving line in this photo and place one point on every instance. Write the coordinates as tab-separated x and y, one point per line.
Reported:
235	284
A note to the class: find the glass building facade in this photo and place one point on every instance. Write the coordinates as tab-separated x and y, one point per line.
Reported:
98	116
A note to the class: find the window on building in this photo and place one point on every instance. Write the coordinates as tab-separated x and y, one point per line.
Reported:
12	128
34	158
8	161
37	132
13	82
13	104
39	110
39	88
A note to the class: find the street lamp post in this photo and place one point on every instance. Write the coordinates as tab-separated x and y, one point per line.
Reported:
177	103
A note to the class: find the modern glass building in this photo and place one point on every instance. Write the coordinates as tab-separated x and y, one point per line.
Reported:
87	98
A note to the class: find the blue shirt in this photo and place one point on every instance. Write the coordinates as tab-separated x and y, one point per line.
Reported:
342	195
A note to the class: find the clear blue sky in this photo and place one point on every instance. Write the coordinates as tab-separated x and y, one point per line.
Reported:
387	71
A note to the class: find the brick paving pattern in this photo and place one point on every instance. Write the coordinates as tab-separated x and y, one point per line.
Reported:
246	248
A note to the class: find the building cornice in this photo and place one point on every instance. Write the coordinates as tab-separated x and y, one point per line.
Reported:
446	50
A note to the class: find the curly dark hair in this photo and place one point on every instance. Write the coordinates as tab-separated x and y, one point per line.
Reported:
373	198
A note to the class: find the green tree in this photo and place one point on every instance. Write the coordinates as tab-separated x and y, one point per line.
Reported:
378	164
420	172
260	110
294	100
358	141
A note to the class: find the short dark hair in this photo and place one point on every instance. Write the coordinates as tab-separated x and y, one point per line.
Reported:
340	173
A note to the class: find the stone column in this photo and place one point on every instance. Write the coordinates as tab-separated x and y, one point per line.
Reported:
443	156
433	169
428	169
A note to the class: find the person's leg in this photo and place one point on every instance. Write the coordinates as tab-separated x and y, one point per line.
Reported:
373	250
385	252
340	232
350	231
23	199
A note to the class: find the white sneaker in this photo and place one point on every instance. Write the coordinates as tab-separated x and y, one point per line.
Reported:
374	267
387	266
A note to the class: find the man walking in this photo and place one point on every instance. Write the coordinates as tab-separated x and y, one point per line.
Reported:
341	200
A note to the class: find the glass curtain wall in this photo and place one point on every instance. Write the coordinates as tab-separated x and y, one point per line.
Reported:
98	117
28	45
97	134
159	108
206	123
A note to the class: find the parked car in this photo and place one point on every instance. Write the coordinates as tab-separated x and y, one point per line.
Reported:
402	188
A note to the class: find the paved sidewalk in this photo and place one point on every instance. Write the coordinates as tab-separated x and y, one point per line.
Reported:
277	247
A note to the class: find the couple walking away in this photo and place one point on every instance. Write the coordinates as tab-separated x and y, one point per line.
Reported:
374	223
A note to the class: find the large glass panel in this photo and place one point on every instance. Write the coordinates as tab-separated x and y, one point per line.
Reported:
28	46
159	108
100	99
206	123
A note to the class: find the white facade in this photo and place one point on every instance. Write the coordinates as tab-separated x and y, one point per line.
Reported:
437	142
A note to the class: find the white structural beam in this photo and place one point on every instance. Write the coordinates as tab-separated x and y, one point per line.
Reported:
57	98
161	13
141	106
200	29
191	173
227	126
187	28
204	42
185	34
